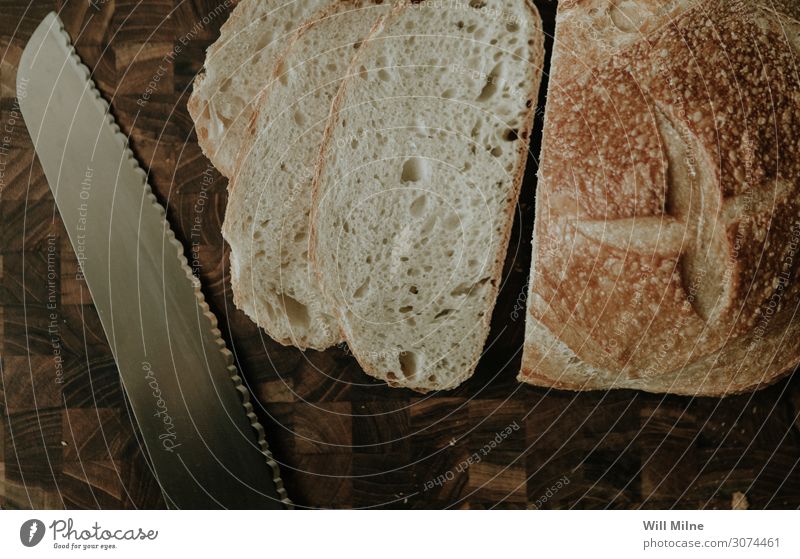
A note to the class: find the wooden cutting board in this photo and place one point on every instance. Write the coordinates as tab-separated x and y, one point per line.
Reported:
343	439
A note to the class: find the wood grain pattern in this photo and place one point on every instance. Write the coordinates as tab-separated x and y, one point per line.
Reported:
343	440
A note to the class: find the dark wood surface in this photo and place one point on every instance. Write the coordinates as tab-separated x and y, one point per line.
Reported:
343	440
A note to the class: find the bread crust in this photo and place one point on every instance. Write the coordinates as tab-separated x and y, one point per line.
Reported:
668	201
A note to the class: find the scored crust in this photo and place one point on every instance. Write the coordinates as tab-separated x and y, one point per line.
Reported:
667	239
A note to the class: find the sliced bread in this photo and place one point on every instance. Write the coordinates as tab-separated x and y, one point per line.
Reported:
238	66
417	182
266	221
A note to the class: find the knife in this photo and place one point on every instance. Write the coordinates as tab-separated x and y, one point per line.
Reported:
204	442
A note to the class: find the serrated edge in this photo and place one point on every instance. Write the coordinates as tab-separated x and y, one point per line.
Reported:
60	31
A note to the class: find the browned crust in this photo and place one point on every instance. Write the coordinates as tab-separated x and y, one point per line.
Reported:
716	81
544	381
541	368
536	72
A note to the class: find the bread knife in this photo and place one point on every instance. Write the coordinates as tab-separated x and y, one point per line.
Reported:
204	443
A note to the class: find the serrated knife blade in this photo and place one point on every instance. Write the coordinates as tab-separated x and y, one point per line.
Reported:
203	440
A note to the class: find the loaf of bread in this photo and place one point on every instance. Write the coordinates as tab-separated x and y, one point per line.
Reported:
417	182
237	68
665	252
267	218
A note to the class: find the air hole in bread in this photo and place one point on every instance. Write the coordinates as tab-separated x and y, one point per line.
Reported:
409	364
417	208
427	227
511	135
406	309
452	221
415	169
443	313
462	289
448	94
477	4
383	75
296	312
413	289
264	40
280	72
299	118
270	310
362	289
223	123
476	130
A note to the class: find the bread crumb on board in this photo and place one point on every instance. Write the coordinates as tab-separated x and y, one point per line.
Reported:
739	501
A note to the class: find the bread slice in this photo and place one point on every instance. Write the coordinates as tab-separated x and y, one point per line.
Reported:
238	66
667	232
266	221
417	182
